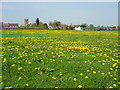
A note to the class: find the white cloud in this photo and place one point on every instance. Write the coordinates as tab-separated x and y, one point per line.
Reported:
60	0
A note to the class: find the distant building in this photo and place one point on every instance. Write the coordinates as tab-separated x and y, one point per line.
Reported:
26	22
10	25
90	28
63	27
107	28
79	28
50	27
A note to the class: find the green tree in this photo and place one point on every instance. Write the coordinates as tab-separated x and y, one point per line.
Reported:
50	23
84	26
45	25
91	25
67	28
33	24
56	24
71	27
37	22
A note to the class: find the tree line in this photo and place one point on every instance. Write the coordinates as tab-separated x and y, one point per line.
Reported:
57	25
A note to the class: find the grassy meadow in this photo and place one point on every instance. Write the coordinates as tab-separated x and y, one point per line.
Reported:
59	59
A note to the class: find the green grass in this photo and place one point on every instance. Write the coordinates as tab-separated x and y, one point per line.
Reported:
54	59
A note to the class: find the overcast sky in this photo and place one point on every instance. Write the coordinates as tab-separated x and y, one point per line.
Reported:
97	13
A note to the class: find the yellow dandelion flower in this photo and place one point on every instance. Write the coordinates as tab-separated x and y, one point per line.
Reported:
13	65
53	60
0	76
19	78
59	55
19	68
112	59
111	68
1	83
35	68
115	78
79	86
108	72
53	78
29	62
110	87
8	87
98	71
94	72
27	84
114	85
103	73
18	61
4	60
111	75
103	63
75	79
60	73
60	60
117	67
114	64
81	74
118	82
88	70
86	77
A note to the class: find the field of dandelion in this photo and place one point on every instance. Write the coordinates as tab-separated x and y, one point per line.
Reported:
59	59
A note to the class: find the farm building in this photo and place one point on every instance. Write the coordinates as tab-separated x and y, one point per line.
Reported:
50	27
90	28
63	27
107	28
10	25
79	28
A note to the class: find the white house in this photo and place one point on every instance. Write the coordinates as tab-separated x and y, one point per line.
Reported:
50	27
79	28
